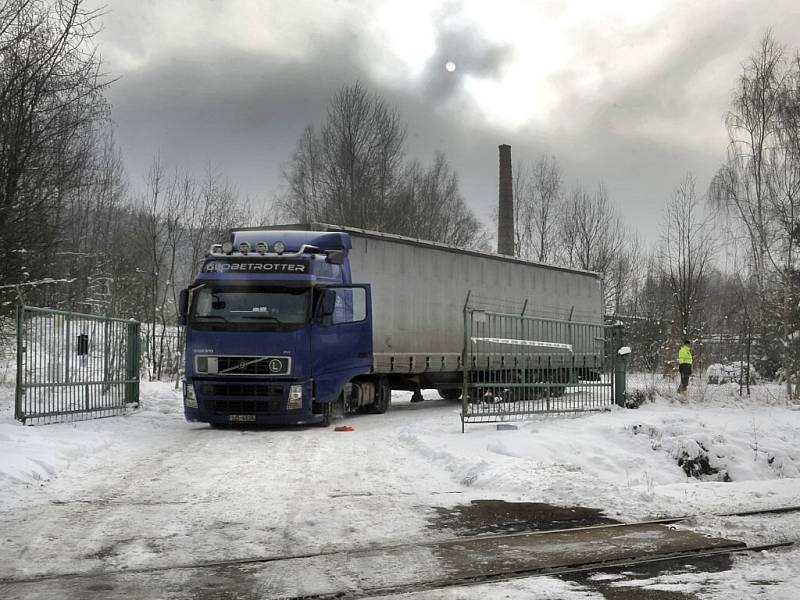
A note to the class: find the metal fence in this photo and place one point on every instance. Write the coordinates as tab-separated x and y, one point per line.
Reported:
71	365
517	366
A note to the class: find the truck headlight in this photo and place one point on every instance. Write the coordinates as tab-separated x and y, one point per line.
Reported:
189	399
295	397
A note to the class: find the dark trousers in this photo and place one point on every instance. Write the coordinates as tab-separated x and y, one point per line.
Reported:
686	372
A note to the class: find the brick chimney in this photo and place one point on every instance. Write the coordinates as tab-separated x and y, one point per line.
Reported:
505	213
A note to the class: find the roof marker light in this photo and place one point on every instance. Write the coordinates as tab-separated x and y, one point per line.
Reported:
244	247
279	247
216	249
261	248
227	247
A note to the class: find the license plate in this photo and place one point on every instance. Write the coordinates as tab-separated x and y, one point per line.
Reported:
242	418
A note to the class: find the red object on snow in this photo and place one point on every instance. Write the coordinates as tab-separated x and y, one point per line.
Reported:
343	428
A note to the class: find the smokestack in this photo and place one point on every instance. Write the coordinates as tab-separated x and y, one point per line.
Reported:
505	213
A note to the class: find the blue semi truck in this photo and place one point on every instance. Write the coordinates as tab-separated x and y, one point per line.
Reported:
299	323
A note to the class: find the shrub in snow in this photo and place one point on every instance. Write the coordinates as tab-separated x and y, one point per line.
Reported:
735	372
637	397
693	457
700	457
783	465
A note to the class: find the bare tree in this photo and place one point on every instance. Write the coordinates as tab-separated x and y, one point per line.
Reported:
51	104
593	237
590	230
352	171
90	222
759	188
520	184
686	253
306	199
349	172
158	212
783	180
215	210
741	186
430	206
538	201
624	275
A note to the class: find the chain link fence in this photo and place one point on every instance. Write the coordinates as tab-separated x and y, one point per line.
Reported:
718	358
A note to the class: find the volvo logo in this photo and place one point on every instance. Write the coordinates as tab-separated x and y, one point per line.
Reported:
275	366
242	364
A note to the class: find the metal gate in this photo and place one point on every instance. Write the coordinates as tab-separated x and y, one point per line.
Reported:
517	366
71	365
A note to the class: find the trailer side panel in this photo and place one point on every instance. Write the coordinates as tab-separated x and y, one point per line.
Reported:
419	294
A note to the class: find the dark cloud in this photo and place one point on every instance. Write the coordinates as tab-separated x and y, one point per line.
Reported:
241	111
244	111
467	48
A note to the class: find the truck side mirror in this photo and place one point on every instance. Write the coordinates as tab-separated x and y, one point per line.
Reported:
183	306
335	257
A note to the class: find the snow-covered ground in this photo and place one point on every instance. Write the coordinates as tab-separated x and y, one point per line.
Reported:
150	490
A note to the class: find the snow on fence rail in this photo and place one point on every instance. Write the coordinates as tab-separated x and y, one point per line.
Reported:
72	365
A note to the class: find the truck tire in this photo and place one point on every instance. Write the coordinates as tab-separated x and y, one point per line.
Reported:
451	394
329	411
326	410
383	397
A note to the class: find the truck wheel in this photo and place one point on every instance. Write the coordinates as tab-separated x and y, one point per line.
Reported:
327	415
329	411
450	393
383	397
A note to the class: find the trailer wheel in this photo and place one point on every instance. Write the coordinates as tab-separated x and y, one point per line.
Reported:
383	397
451	394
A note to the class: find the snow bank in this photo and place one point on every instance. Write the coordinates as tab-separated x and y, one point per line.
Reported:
296	490
33	455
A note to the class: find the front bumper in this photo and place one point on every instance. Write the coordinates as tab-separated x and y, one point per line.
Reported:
248	403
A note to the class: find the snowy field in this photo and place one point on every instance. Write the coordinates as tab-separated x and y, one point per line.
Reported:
150	490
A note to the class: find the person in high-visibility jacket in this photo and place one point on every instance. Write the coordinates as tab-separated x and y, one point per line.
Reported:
685	364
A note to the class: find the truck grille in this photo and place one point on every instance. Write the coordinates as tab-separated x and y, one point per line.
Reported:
243	365
231	406
261	390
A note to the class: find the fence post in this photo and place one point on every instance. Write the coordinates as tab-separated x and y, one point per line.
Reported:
67	349
106	352
465	371
619	365
19	387
132	364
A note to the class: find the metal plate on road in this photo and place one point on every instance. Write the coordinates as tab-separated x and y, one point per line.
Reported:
363	573
242	418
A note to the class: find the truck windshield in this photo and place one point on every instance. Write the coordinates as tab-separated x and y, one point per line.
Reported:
253	306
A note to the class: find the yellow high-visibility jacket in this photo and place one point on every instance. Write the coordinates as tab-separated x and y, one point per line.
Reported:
685	355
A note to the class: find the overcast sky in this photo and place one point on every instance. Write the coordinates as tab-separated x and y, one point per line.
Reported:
630	93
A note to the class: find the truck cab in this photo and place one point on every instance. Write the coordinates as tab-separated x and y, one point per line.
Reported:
277	333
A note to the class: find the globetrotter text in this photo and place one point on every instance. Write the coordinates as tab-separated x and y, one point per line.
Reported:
218	266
